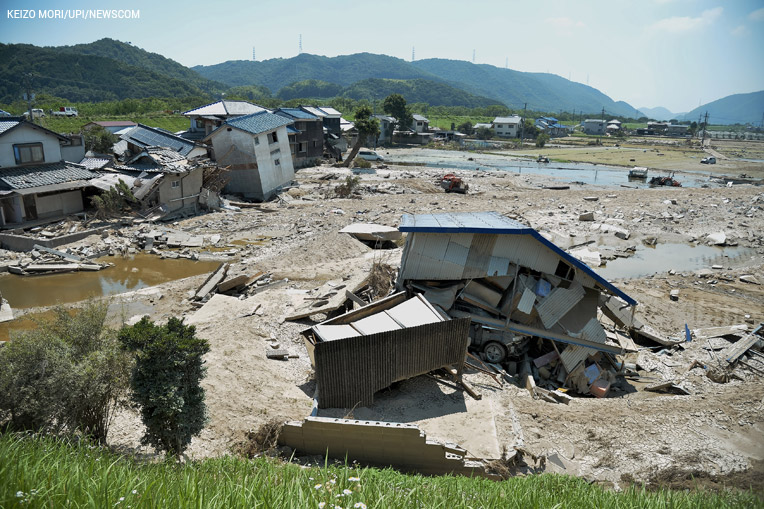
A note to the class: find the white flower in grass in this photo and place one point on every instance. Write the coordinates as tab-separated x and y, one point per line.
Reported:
19	494
121	499
359	505
354	479
333	481
135	492
317	486
321	505
347	492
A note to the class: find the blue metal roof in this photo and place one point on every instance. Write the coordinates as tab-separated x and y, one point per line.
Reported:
495	223
295	113
255	123
292	130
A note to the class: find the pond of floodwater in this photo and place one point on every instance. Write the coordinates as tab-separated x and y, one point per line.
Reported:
128	273
679	257
586	173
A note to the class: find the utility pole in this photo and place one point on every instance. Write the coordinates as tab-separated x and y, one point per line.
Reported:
28	95
603	123
705	126
522	126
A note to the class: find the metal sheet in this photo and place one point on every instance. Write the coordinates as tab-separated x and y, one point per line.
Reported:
374	324
526	301
413	312
558	303
334	332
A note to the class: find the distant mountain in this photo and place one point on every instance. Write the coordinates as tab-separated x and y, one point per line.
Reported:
659	113
343	70
733	109
542	92
134	56
316	89
433	93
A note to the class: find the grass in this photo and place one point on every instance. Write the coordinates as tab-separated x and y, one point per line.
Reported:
45	472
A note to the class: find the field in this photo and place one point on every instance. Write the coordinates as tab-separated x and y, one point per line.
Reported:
44	472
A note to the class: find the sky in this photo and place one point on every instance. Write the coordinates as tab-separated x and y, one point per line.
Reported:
677	54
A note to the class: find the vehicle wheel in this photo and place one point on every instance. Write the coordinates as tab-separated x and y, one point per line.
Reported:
495	352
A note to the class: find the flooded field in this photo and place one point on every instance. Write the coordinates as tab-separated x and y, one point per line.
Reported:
679	257
128	273
585	173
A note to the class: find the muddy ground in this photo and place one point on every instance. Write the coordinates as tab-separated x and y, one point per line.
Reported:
632	435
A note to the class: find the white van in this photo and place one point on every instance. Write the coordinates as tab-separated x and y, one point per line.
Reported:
370	155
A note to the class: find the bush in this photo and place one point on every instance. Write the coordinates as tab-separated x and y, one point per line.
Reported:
113	201
166	381
69	374
346	189
541	140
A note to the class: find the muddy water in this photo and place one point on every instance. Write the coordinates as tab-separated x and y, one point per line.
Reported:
679	257
129	273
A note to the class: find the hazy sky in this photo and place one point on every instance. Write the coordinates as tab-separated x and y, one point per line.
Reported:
670	53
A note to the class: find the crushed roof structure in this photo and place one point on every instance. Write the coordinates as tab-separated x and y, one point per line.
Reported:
255	123
144	136
495	257
43	175
94	163
225	109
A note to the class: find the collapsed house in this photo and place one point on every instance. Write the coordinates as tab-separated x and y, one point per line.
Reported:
514	285
365	350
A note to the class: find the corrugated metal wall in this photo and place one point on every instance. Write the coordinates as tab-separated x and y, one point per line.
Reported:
349	371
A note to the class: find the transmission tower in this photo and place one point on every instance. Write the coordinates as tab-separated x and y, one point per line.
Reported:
506	63
300	46
473	56
413	53
253	54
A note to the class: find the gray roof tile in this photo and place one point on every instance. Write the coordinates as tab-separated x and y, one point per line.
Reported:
23	177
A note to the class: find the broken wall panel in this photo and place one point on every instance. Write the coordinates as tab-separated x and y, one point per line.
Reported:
526	252
349	371
400	445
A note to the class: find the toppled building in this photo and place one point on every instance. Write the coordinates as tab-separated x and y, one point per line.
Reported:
511	282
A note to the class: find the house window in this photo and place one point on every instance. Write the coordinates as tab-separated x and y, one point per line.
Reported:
29	153
302	147
277	162
257	140
175	183
272	138
315	144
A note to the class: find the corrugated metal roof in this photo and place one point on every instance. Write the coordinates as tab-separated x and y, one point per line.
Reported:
315	111
25	177
495	223
145	136
515	119
292	130
330	112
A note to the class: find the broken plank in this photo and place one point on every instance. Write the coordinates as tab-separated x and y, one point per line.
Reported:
232	283
212	281
56	252
717	332
52	266
742	345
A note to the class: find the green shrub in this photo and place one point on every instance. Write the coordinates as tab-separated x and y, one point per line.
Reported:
166	381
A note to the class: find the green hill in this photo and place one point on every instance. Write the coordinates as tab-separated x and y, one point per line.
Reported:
416	91
316	89
134	56
79	74
733	109
343	70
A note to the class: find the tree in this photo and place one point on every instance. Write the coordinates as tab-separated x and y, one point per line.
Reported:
541	140
395	106
484	133
113	201
69	374
367	126
466	128
166	381
99	140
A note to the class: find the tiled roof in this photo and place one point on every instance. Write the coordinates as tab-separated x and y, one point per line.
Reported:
94	163
24	177
295	113
226	108
8	124
256	123
330	112
145	136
